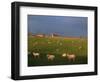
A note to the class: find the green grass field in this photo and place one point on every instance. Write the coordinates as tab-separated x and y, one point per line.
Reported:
56	46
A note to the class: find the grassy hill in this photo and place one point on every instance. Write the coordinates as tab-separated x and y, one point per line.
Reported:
56	46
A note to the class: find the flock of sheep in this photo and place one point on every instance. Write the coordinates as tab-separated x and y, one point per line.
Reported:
70	57
51	57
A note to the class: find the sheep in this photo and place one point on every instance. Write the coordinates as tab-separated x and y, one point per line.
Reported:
71	57
50	57
64	55
36	54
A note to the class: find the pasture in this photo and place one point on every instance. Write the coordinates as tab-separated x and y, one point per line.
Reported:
56	46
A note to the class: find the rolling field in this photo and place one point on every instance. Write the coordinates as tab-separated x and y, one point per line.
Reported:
56	46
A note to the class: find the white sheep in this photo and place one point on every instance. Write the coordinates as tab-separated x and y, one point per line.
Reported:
64	55
71	57
50	57
36	54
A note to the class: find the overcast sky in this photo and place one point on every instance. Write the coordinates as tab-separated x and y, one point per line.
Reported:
63	25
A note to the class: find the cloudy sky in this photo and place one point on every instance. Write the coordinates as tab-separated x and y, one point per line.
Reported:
63	25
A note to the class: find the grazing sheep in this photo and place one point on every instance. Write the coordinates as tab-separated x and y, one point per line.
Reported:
36	54
71	57
64	55
50	57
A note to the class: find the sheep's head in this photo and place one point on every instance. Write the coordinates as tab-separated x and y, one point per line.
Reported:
64	55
